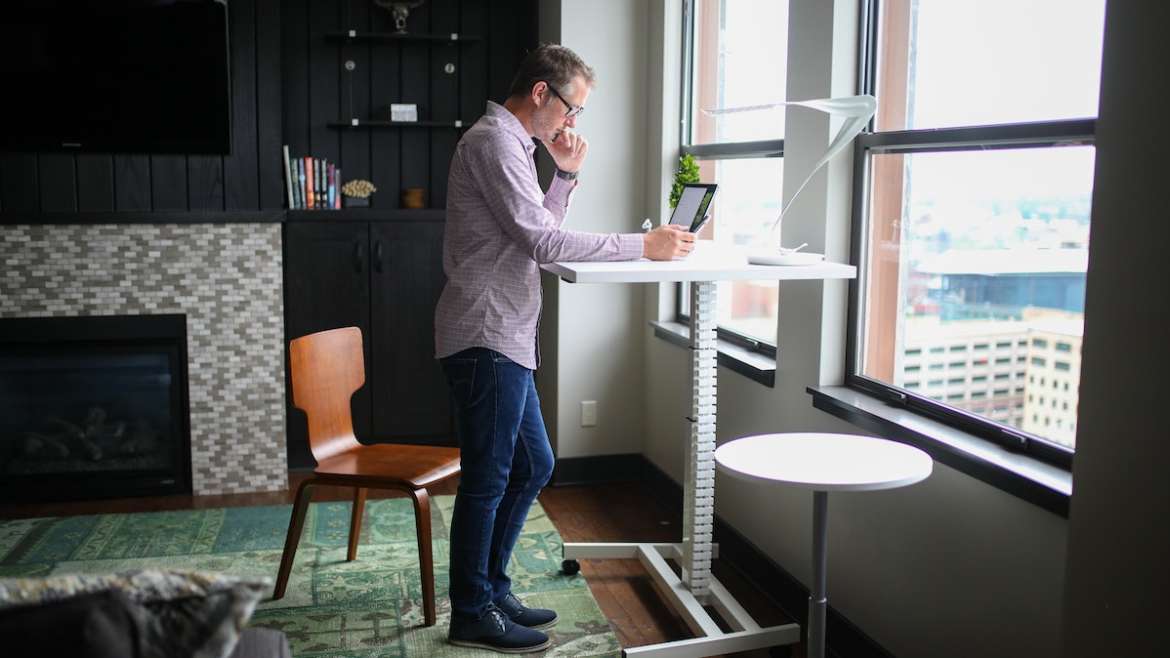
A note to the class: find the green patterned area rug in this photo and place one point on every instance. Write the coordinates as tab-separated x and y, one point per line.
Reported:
371	607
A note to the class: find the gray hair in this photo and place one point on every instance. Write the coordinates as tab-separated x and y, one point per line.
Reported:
556	65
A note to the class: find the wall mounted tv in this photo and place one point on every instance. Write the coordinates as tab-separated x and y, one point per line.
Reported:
145	76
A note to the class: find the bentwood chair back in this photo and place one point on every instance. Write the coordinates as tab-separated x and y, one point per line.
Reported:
326	368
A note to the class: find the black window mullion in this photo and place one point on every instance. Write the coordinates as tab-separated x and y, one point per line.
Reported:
1014	135
768	148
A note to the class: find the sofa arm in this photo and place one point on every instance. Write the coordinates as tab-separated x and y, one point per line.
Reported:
261	643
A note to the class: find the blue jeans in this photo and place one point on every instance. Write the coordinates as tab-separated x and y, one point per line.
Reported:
506	459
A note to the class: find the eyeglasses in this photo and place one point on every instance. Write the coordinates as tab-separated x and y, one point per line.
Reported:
573	110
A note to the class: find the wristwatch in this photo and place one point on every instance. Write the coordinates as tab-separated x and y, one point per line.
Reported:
567	175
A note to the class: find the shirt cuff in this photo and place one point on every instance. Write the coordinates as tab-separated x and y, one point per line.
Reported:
561	191
631	245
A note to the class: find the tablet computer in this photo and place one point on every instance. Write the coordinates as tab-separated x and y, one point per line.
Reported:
693	205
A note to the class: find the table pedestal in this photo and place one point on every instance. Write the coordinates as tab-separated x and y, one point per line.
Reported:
818	600
697	587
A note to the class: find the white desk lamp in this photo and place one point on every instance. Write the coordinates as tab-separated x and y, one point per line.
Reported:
857	111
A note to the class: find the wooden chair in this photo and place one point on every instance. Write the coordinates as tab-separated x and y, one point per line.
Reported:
327	367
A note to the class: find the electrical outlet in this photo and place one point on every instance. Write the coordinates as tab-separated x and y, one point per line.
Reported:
588	413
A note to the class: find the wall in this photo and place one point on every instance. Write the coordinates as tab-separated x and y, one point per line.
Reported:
226	278
1118	536
950	567
598	347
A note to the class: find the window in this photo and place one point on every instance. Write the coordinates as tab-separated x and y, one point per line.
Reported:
1062	366
999	92
734	55
1063	347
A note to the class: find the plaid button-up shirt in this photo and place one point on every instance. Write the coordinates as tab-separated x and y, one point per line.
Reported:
500	228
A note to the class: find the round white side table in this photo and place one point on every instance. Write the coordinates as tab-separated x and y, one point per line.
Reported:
823	463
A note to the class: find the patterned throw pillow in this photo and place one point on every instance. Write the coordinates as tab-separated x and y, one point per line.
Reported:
186	613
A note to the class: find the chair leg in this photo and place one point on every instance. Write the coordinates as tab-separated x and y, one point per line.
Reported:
355	522
422	521
295	525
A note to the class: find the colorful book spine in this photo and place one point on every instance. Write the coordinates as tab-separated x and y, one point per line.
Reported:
337	188
301	183
329	180
320	195
309	199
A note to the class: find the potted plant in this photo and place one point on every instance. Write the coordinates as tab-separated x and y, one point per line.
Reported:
688	172
356	193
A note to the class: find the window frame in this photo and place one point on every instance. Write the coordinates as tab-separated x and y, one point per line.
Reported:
772	148
1040	134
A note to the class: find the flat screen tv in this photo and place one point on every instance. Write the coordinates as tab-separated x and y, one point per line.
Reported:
146	76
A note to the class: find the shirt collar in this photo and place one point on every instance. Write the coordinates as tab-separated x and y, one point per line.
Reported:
510	123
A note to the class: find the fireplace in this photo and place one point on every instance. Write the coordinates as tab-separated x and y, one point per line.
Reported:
93	407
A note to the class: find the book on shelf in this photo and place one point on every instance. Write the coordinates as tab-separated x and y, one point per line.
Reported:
288	179
301	200
311	183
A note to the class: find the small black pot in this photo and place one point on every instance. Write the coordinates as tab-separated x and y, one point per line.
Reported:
356	201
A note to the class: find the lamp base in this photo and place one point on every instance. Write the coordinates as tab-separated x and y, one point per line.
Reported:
784	257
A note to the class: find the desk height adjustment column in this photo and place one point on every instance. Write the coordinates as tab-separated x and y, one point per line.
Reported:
699	484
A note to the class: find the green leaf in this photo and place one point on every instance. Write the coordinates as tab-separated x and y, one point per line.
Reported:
688	172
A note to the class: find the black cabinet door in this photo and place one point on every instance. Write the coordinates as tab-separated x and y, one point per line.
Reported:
411	403
326	286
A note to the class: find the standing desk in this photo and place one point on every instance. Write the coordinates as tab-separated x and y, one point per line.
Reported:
696	587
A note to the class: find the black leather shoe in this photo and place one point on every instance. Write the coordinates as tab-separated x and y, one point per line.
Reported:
494	631
536	618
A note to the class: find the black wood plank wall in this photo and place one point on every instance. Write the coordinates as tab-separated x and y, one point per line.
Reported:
318	89
288	82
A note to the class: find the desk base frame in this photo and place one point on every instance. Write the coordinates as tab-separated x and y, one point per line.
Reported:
697	587
710	639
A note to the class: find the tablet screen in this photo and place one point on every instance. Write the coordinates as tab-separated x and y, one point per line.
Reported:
692	206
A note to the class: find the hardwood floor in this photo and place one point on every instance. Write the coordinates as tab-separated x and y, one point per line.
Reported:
610	512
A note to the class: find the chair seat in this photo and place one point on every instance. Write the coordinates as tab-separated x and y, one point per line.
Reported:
414	466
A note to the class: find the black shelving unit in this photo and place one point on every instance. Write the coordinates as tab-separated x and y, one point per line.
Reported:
362	123
355	35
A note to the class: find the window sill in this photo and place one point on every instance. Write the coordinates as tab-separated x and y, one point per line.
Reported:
752	365
1042	484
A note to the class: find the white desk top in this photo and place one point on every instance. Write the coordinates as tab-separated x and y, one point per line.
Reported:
709	263
824	462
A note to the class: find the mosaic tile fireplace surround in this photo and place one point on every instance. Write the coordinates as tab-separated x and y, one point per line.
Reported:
226	279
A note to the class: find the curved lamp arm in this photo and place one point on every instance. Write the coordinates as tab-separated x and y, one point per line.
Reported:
857	111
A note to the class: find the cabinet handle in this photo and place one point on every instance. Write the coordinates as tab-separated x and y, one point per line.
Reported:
378	256
357	257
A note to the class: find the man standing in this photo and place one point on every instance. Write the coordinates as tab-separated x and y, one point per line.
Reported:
500	227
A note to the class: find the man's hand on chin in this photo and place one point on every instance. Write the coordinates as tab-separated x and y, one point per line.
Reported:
568	150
